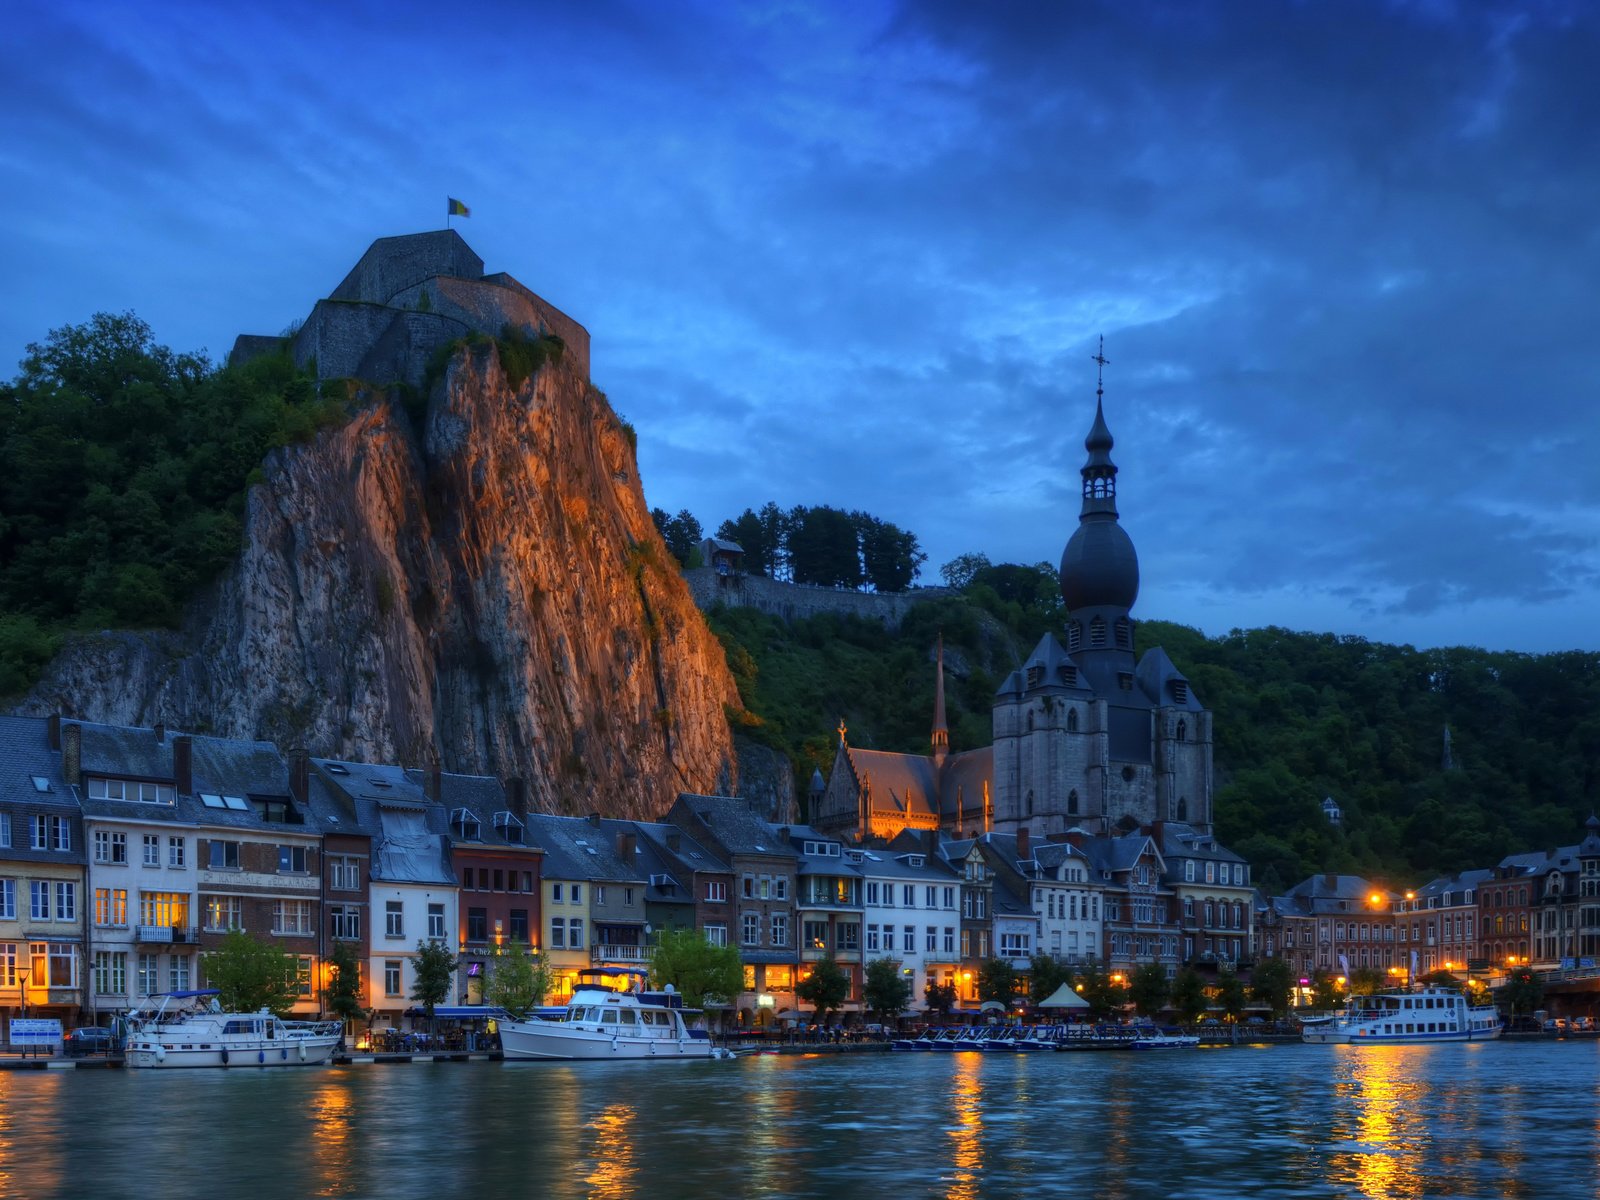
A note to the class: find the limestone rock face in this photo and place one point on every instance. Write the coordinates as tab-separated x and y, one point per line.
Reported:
493	592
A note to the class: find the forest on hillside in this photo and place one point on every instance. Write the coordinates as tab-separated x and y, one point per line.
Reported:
1298	717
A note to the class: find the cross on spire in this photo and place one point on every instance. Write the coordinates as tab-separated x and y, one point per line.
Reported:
841	731
1099	357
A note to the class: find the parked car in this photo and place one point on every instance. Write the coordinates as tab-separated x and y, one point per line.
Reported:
1583	1024
91	1039
1556	1025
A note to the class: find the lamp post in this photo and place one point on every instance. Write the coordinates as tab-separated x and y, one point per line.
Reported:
23	975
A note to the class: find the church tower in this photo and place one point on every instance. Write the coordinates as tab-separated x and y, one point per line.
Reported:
941	731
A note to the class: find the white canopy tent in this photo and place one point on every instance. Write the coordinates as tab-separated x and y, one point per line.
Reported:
1064	997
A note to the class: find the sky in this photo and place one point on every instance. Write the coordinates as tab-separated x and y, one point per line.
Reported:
1345	257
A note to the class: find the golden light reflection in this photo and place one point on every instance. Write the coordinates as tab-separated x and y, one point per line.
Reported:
614	1155
333	1117
1383	1158
774	1123
967	1136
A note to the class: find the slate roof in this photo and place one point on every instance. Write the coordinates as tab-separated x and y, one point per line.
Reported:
576	849
410	833
904	783
25	751
1180	841
885	863
484	798
735	827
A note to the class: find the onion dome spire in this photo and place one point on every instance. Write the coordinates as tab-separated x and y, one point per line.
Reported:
1099	568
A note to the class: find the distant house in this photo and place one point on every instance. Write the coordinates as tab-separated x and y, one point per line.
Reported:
724	557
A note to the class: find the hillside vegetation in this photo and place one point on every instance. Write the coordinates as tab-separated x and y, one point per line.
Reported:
1299	717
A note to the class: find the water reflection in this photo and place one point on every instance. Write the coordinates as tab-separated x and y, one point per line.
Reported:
966	1095
613	1153
331	1109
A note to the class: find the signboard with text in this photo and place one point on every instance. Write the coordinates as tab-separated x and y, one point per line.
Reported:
35	1031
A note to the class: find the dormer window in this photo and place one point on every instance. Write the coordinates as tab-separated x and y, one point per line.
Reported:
1035	676
129	789
508	826
465	824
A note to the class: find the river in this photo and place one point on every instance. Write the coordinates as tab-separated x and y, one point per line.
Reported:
1487	1120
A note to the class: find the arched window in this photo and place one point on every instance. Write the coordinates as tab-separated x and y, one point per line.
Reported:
1183	808
1030	720
1072	802
1097	633
1183	730
1030	802
1072	720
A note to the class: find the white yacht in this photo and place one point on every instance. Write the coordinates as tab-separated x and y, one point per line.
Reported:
1432	1014
606	1022
189	1029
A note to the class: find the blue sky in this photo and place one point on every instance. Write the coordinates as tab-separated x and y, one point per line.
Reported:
1345	256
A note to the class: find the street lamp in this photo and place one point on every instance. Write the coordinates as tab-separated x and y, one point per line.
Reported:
24	974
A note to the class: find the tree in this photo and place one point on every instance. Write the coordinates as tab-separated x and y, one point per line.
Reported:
823	548
435	973
940	998
343	994
701	972
1104	995
1272	983
748	531
1149	988
959	571
890	556
250	974
1327	990
1521	993
1189	995
517	981
1046	973
825	989
1366	981
1230	994
886	989
681	533
997	980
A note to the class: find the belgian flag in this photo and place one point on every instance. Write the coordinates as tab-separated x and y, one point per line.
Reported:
456	208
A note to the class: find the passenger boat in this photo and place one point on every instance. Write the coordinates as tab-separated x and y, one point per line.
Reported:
1153	1037
1432	1014
190	1029
608	1022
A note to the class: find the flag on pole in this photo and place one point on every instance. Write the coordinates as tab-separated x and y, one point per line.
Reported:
456	208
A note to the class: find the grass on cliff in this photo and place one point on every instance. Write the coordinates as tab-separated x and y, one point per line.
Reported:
123	473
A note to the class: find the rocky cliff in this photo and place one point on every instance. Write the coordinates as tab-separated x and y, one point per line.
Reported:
489	588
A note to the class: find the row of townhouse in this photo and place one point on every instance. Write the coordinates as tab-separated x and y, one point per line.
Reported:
1540	909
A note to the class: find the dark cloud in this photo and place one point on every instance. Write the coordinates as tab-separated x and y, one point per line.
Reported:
1345	255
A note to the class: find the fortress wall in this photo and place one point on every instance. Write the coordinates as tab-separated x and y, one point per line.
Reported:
393	264
404	350
793	601
488	306
557	322
338	336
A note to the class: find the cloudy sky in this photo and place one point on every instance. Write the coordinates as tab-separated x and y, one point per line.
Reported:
1345	256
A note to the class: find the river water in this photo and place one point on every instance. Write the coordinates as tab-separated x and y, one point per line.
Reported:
1485	1120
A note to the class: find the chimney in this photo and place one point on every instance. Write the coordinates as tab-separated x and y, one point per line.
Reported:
674	840
299	775
52	731
183	764
1330	881
627	846
517	796
72	754
1077	837
161	732
1024	844
594	819
1059	839
783	833
432	781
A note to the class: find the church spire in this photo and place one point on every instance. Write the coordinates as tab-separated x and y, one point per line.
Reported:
1099	472
941	733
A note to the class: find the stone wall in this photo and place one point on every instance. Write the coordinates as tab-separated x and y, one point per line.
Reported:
393	264
793	601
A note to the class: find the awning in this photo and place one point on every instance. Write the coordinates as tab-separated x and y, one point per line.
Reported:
1064	997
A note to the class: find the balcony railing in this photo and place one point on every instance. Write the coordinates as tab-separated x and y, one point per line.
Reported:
618	954
185	934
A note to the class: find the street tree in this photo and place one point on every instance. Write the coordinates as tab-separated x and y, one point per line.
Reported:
517	981
825	989
250	974
435	973
940	998
699	971
1149	989
997	981
343	993
886	988
1046	973
1189	995
1272	983
1327	990
1521	993
1104	994
1230	994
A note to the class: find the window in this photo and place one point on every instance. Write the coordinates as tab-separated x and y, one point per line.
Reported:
949	939
555	893
110	972
394	919
575	933
780	929
5	830
391	977
716	891
749	887
177	852
1015	945
1211	872
908	895
577	893
519	926
178	972
872	939
291	916
750	929
111	907
110	847
780	888
41	833
558	933
872	892
345	921
627	897
1188	870
599	895
908	937
8	899
60	834
932	942
814	935
436	922
128	789
345	874
168	910
848	937
38	900
477	924
291	860
717	934
300	976
148	979
224	855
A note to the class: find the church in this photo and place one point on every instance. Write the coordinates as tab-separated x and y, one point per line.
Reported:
1085	736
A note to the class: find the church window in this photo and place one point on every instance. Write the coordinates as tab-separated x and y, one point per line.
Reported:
1074	634
1125	680
1124	633
1072	802
1030	802
1035	676
1183	808
1180	691
1097	632
1072	720
1183	731
1030	720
